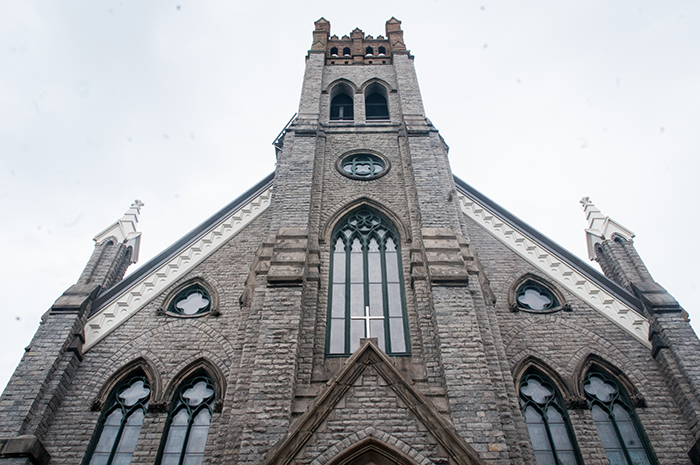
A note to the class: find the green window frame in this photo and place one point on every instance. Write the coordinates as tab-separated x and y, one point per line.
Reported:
618	427
551	434
366	297
118	428
187	427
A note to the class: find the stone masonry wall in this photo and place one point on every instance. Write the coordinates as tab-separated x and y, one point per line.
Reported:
563	341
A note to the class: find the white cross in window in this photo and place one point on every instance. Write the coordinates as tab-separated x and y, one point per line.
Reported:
367	317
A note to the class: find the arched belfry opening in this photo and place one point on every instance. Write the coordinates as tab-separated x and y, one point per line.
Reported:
376	102
342	103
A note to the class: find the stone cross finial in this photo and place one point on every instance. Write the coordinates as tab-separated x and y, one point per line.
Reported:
138	204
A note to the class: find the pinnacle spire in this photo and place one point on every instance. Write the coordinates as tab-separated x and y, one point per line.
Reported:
600	228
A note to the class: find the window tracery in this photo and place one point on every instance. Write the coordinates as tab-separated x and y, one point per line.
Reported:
120	423
551	434
188	422
366	292
619	429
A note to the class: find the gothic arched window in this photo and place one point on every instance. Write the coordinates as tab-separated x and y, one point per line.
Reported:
334	51
547	421
341	107
120	423
619	429
188	423
376	106
366	291
346	52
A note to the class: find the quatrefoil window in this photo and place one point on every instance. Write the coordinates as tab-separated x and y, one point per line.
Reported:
533	296
363	166
192	300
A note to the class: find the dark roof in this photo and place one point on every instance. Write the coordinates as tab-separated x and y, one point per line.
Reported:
578	264
178	246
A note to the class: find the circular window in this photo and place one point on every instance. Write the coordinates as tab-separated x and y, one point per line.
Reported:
532	296
363	166
193	300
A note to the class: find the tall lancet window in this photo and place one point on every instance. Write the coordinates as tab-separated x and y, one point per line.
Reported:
618	426
551	434
366	291
188	423
120	423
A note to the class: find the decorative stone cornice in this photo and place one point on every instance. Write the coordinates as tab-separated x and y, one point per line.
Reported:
557	269
600	228
136	296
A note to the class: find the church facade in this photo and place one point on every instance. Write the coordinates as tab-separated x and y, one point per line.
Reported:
359	305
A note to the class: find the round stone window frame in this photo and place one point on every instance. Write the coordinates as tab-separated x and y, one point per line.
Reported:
213	299
515	306
341	161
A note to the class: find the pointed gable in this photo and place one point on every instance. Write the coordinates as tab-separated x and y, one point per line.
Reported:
369	355
602	294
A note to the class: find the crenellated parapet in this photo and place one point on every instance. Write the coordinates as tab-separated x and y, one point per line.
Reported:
358	48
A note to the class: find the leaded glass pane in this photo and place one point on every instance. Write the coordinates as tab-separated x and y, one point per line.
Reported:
357	275
198	393
134	393
122	459
398	339
544	458
99	458
357	331
130	435
599	388
605	428
199	432
538	432
392	267
534	390
357	299
193	459
190	301
566	457
338	301
394	296
339	268
376	329
376	300
109	434
337	342
374	267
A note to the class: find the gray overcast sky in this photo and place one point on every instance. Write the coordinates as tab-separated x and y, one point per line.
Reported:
177	102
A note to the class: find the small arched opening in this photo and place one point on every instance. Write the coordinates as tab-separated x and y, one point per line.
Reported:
342	103
376	106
